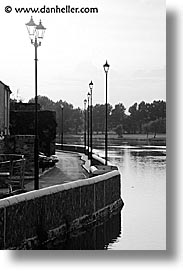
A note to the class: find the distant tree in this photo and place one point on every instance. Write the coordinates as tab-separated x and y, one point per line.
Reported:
157	110
158	126
128	125
45	103
99	116
119	130
133	118
77	120
155	126
143	114
117	115
146	128
67	116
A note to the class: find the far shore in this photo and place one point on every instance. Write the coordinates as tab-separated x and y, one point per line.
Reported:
113	139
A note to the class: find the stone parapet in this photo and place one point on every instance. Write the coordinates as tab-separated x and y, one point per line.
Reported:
30	219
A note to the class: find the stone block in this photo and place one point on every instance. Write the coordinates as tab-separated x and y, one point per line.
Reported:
99	195
112	187
76	202
87	200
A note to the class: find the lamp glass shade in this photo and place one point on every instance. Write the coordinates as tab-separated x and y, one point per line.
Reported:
106	67
40	30
91	85
31	27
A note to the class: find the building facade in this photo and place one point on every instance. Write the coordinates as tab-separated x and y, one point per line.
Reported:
4	109
22	117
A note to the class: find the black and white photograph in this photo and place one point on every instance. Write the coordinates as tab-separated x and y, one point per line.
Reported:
83	125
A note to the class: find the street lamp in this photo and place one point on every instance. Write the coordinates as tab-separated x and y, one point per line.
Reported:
62	126
36	34
88	124
91	88
85	101
106	69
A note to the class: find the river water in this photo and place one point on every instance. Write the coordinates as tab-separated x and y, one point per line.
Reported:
141	225
143	217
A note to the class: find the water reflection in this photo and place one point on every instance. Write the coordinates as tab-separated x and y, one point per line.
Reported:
143	170
97	237
144	157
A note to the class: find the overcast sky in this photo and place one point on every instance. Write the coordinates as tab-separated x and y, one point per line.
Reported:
130	34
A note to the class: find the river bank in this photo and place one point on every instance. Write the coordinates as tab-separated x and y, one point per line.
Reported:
128	139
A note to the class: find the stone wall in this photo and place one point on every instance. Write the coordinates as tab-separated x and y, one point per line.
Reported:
29	219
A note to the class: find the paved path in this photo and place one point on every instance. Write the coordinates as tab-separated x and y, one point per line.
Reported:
67	169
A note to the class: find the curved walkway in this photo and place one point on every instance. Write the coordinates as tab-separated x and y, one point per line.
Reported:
69	168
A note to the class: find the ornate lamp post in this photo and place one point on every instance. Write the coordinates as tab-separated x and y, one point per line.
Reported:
106	69
85	101
88	124
36	34
91	128
62	127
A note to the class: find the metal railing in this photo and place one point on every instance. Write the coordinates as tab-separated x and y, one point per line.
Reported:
12	168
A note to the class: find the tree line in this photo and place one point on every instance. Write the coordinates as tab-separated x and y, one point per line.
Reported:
141	118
